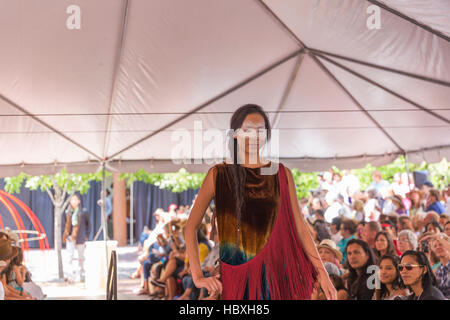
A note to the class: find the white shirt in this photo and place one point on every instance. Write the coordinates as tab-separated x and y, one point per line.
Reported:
351	184
369	207
337	237
2	291
332	212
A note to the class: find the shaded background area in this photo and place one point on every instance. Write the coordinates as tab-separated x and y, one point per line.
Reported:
146	199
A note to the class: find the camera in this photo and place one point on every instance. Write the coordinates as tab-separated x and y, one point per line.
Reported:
424	246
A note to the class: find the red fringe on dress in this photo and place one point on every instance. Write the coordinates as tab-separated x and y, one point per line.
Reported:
289	272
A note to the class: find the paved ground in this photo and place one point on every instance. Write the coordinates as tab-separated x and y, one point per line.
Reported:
44	268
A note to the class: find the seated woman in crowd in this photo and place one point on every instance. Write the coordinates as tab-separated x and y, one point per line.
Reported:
384	245
338	283
418	276
16	272
434	227
358	210
204	248
407	240
8	253
425	247
360	257
391	284
329	252
360	230
390	228
348	230
440	244
175	263
157	252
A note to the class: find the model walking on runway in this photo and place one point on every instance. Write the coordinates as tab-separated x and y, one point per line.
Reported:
265	248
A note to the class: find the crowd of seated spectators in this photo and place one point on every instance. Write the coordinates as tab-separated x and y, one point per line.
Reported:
163	264
389	242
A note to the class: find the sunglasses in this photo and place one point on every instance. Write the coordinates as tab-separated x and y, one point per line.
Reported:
408	266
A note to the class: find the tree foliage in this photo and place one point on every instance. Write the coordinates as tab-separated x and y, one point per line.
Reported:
75	182
183	180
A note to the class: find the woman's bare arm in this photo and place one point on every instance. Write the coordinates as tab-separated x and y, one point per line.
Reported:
204	197
20	275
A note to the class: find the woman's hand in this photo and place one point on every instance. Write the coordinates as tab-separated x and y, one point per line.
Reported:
326	285
212	284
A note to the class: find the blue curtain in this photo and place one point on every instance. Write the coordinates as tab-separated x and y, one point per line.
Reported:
147	198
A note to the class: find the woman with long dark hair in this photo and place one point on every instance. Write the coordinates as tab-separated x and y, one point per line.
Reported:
265	248
391	284
384	244
359	258
418	275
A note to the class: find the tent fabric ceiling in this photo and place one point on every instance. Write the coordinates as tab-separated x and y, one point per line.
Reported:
117	89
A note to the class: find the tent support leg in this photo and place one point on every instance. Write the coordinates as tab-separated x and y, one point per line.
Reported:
104	225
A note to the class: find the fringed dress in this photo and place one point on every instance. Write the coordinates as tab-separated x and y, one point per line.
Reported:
270	262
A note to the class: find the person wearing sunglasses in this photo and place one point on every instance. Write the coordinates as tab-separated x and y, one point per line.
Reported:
418	276
391	284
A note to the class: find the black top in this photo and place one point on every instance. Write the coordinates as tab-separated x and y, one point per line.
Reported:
429	293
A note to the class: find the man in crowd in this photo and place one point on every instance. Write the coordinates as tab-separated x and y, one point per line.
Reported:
370	231
76	234
433	203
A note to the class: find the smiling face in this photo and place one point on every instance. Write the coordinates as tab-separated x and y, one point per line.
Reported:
388	273
356	256
413	276
381	243
439	249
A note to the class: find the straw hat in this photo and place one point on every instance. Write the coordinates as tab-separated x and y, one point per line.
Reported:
329	244
11	235
7	251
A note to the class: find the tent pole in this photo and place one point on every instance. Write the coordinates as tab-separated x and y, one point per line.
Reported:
407	172
131	214
105	227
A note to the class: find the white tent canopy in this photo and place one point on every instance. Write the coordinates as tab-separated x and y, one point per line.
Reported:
137	70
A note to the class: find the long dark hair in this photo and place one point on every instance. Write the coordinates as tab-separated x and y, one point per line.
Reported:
427	278
397	283
357	283
16	261
237	172
390	249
